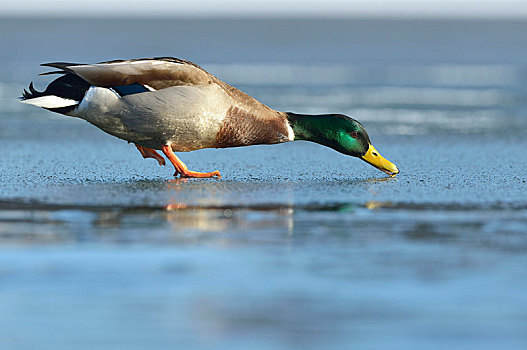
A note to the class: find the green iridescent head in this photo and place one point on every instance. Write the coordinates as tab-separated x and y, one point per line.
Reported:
342	133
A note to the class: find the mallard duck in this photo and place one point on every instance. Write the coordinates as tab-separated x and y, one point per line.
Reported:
174	105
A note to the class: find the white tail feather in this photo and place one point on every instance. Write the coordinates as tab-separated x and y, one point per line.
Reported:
50	101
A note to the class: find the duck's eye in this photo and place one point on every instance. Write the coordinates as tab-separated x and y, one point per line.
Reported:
354	134
375	154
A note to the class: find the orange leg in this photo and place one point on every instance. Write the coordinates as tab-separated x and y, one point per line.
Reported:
181	168
150	153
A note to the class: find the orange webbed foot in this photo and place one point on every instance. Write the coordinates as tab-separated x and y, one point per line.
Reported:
189	173
181	168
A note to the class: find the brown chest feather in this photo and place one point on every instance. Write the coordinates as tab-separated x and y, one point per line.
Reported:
241	128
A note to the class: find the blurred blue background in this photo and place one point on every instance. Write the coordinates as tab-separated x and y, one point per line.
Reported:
297	246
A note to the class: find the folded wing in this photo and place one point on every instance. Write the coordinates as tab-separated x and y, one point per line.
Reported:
155	73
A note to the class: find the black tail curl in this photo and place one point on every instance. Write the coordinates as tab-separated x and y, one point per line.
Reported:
68	86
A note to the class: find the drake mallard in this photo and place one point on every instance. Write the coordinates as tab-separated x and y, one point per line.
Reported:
170	104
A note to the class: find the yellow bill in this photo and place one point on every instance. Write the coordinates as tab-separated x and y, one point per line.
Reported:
374	158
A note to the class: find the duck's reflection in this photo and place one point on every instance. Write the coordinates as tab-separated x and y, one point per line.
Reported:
183	218
214	215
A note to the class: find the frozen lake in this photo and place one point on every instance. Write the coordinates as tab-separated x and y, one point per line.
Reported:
297	246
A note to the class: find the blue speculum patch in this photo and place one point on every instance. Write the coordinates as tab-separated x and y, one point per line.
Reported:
130	89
